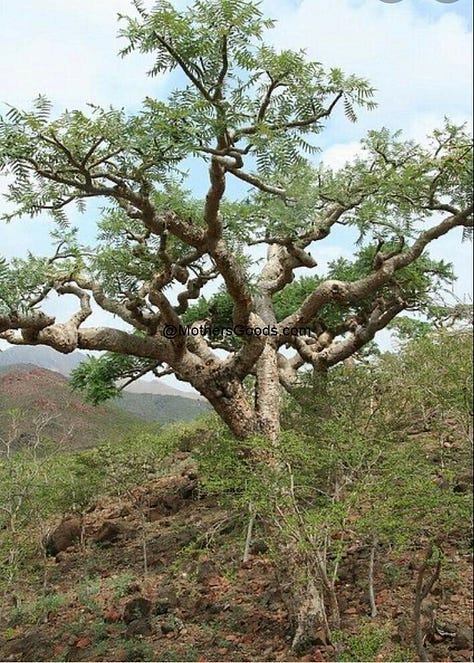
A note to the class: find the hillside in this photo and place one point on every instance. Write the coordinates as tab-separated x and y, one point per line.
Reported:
41	356
45	357
161	408
46	406
159	388
179	545
198	600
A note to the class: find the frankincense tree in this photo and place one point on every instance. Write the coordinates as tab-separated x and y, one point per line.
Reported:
247	112
251	113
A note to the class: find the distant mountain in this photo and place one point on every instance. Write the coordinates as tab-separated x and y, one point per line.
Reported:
45	357
162	408
44	400
42	356
36	401
160	389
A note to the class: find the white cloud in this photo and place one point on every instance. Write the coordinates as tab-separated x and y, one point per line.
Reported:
419	64
339	154
68	51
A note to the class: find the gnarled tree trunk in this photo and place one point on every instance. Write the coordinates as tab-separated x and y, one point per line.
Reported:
310	613
267	394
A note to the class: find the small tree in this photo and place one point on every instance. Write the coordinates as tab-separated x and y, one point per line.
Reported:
249	113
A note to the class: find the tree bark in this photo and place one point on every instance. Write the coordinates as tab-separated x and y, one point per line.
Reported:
229	400
267	394
311	620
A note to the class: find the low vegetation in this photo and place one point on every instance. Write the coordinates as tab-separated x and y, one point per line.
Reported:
182	539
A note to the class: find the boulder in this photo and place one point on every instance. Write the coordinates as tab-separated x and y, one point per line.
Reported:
109	532
66	534
137	609
463	638
29	647
166	600
139	627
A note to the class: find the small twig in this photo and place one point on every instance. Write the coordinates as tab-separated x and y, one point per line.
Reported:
373	606
248	538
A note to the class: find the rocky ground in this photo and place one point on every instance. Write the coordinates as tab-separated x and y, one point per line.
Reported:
159	576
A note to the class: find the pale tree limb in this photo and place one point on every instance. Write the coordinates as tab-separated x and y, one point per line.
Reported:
345	292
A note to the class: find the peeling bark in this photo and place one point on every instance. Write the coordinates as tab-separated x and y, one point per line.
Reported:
311	621
267	396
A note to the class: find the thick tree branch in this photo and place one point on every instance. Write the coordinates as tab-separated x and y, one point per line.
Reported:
235	279
85	303
338	351
347	292
33	320
111	305
213	199
110	339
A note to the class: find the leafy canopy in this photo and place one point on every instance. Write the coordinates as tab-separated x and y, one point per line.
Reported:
242	110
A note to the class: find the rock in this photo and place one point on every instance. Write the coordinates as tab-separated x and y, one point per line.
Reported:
136	609
168	627
205	570
168	499
188	489
214	608
109	532
168	543
164	504
29	647
305	645
111	615
166	601
463	483
463	638
66	534
258	547
139	627
154	514
133	587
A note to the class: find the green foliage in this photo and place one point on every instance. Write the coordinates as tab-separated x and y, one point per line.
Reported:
361	421
96	376
39	610
410	328
350	454
35	487
349	451
433	379
257	110
417	285
25	281
216	97
119	584
365	645
138	650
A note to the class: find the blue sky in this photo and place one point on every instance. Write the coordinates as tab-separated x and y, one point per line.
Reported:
417	53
